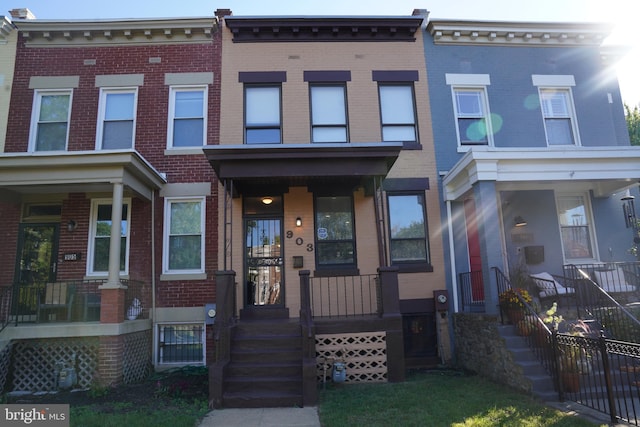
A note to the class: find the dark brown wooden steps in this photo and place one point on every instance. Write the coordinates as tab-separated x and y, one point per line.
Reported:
265	369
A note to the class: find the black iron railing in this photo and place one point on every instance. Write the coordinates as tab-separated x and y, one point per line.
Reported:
471	286
68	301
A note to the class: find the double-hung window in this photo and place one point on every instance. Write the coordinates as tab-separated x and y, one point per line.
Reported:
50	123
184	236
471	108
397	112
558	115
263	123
116	118
328	113
187	116
574	217
335	232
100	237
471	115
408	228
558	111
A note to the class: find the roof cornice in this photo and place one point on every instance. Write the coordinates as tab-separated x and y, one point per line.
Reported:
39	33
6	27
250	29
555	34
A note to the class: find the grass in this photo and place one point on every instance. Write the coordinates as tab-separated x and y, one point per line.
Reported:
437	399
178	414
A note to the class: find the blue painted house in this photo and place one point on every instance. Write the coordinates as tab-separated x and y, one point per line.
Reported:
532	150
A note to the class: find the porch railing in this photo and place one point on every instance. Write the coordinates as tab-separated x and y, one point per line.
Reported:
594	302
471	286
345	296
68	301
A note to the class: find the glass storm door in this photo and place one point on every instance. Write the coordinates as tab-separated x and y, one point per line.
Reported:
36	262
263	262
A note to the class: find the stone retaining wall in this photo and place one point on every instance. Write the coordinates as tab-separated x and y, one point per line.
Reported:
481	349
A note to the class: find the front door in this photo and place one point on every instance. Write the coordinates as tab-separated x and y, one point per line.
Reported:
36	263
263	262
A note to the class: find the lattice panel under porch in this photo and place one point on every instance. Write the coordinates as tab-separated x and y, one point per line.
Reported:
365	355
137	357
34	362
5	362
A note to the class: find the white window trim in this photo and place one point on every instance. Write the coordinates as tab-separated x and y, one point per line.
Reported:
572	115
35	114
165	236
158	337
553	80
470	81
171	114
102	109
590	223
487	116
92	234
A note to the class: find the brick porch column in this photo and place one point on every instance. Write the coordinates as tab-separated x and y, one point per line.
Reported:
110	360
112	304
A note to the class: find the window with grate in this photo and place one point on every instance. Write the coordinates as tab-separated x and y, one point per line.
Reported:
181	343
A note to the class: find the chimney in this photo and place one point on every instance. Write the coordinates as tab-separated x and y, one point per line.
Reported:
22	13
421	12
221	13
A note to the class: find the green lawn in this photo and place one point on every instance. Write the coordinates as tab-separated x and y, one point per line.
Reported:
436	399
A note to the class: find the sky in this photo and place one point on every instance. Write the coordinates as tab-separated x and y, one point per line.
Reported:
621	13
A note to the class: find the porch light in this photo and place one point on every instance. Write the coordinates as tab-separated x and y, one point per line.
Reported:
520	222
72	225
267	200
298	222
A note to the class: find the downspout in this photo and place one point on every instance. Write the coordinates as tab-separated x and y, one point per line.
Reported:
452	259
153	271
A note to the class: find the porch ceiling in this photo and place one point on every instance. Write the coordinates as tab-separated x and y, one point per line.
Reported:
604	170
300	164
81	171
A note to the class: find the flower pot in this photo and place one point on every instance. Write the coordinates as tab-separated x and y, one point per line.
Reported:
515	315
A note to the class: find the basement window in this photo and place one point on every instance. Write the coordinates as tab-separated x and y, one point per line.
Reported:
181	344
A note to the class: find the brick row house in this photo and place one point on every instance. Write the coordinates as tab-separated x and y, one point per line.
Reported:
109	206
292	192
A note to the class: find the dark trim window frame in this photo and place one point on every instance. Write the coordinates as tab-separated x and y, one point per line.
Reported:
408	231
262	122
329	112
398	119
335	235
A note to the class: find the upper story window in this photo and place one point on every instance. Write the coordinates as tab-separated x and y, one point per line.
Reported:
574	217
335	232
397	105
116	118
328	113
397	112
471	108
262	112
100	236
50	120
558	112
408	228
187	116
184	236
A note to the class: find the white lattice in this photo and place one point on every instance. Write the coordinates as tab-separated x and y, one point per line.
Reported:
34	362
5	362
365	355
137	357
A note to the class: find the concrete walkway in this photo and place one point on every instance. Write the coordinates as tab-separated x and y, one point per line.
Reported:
262	417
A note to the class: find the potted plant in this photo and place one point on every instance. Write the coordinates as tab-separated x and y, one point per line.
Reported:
527	326
574	361
512	303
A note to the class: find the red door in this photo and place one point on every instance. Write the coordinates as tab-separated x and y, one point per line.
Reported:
473	243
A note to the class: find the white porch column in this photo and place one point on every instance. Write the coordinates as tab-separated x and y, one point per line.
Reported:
113	278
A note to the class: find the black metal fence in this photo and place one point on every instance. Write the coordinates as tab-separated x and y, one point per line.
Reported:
67	301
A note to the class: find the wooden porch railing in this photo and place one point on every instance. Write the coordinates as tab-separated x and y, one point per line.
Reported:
225	320
345	296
